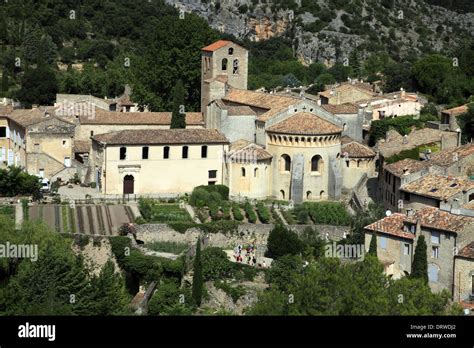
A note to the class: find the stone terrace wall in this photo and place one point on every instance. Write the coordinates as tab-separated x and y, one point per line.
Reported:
247	233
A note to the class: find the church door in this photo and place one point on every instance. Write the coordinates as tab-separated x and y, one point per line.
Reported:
128	184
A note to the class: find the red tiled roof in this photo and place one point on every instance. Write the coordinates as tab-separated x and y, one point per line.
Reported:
305	123
346	108
162	136
467	251
392	225
216	45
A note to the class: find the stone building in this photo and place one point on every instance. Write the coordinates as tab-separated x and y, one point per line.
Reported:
159	161
358	160
437	191
12	140
347	92
464	274
444	233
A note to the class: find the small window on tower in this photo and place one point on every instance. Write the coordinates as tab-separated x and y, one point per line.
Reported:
224	64
231	51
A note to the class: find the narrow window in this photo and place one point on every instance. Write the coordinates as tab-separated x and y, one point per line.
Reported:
145	151
243	172
406	249
166	152
235	68
231	51
204	151
435	252
3	132
383	242
123	153
185	152
435	237
92	133
255	173
212	174
224	64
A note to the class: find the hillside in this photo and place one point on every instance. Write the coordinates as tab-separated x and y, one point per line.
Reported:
98	46
330	30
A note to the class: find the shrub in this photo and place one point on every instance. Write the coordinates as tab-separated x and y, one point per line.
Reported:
93	185
214	210
282	241
235	292
237	212
166	300
199	197
215	264
225	210
251	216
263	213
153	211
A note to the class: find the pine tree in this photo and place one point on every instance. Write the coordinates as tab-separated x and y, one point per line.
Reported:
420	264
197	277
373	245
178	119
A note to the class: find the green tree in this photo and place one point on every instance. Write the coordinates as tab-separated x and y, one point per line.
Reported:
282	241
373	245
197	288
420	264
178	119
466	123
169	299
38	86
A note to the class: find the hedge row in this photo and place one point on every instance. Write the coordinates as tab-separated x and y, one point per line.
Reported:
251	216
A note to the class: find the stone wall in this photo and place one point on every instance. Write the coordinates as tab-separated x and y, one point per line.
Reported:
463	278
247	233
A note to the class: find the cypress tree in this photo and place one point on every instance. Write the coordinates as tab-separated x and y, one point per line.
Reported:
420	262
197	277
178	119
373	245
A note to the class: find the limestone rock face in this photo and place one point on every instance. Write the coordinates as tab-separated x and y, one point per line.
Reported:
426	26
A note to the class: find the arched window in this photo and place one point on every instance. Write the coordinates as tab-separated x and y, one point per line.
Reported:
123	153
224	64
316	164
185	151
321	195
243	172
344	126
235	67
358	163
166	152
255	173
282	194
231	51
309	195
285	163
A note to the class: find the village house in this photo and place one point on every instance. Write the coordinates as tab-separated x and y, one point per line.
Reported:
346	92
437	191
158	161
457	162
464	276
12	140
397	235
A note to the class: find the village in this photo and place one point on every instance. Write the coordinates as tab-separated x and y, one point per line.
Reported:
249	162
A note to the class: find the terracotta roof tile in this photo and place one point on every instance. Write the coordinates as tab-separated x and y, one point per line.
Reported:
448	157
305	123
357	150
138	118
438	186
162	136
406	166
442	220
392	225
272	103
467	251
458	110
81	146
242	150
347	108
216	45
428	217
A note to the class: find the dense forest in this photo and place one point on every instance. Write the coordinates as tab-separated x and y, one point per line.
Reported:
96	47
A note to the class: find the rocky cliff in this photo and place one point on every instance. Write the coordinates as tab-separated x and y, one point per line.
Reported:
330	30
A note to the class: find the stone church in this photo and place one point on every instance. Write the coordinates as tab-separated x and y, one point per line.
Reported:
281	146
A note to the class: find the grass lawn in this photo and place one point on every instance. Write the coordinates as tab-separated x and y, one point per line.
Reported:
155	212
